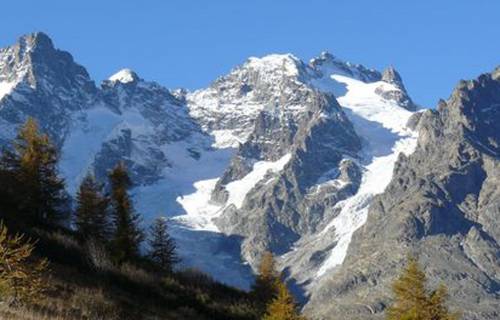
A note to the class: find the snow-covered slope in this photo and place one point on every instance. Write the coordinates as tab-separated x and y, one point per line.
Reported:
383	126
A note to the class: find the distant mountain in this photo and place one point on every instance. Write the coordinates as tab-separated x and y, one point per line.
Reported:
298	158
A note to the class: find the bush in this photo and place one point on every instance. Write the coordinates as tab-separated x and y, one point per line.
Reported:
21	276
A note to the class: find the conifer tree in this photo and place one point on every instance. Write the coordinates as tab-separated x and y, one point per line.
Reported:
162	246
283	306
38	192
127	235
265	286
91	215
8	204
412	302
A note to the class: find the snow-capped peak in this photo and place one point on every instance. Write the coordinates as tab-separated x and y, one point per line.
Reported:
287	63
124	76
330	64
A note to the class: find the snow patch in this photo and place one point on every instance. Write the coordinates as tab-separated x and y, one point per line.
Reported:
238	189
200	211
270	64
6	88
124	76
226	139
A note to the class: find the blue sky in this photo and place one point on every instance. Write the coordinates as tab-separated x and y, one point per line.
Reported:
189	43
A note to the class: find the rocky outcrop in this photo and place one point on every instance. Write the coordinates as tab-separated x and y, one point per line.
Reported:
398	93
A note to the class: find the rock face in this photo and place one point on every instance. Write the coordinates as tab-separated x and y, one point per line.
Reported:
443	205
277	212
390	75
44	83
317	162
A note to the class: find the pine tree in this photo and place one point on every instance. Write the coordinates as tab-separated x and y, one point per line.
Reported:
283	306
91	215
38	192
412	302
21	276
127	235
162	246
265	286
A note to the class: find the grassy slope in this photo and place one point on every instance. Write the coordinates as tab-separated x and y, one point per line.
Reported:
78	291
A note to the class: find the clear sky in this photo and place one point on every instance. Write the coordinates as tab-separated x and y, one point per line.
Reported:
188	43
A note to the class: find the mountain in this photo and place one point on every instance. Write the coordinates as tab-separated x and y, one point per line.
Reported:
328	164
442	205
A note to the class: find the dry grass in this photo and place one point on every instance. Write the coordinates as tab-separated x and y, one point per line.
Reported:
82	288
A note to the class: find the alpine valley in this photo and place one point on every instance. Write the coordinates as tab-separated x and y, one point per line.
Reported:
328	164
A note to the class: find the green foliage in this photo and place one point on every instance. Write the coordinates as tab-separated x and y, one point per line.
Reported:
91	215
127	236
20	275
411	299
162	246
37	193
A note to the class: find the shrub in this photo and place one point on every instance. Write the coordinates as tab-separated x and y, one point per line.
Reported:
21	276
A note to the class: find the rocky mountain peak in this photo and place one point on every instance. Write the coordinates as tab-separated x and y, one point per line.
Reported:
36	41
327	63
284	63
472	111
35	60
325	57
397	90
390	75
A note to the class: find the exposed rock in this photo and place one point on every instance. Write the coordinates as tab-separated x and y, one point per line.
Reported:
398	93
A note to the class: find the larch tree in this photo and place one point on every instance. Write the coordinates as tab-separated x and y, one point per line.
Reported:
38	192
283	306
411	299
162	246
91	215
265	287
127	235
